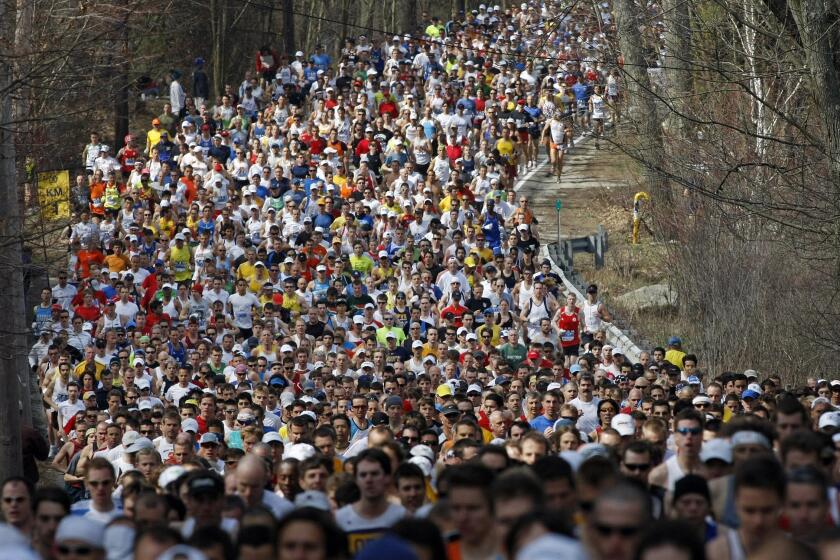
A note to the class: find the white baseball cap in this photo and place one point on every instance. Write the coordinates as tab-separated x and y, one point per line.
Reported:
624	424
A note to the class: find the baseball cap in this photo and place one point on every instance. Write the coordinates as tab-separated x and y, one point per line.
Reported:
830	419
717	448
313	499
444	390
750	394
450	410
393	400
755	387
379	419
83	529
209	438
207	484
170	475
272	437
189	425
624	424
140	443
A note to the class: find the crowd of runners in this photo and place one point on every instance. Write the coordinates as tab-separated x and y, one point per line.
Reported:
309	319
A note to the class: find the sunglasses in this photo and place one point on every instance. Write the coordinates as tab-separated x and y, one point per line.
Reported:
75	550
689	431
637	467
622	530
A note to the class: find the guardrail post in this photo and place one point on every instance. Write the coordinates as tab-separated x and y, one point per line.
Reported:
599	248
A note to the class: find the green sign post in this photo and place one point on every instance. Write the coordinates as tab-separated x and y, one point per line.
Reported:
559	206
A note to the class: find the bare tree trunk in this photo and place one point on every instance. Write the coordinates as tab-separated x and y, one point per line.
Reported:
818	28
218	29
345	11
647	147
122	87
677	62
12	308
24	138
289	26
409	15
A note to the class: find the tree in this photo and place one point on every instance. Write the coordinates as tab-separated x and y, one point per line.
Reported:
752	98
13	331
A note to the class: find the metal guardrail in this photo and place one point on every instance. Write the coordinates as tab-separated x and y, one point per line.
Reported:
596	244
575	285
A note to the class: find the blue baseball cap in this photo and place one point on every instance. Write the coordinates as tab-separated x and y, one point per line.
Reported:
575	368
674	341
694	380
278	381
749	394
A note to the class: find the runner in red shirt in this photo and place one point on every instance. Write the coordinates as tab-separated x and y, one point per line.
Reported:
568	320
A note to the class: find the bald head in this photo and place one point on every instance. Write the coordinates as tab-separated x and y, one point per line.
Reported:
251	477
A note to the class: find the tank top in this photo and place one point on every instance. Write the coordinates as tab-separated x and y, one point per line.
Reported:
506	323
181	263
536	313
112	197
597	106
612	86
92	154
525	295
108	323
186	306
319	289
675	472
202	254
569	328
558	131
412	132
43	318
422	156
510	279
169	308
591	316
59	394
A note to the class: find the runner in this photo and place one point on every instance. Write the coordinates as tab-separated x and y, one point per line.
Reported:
597	109
555	134
318	303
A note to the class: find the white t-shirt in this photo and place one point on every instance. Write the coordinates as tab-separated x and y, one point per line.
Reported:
588	420
126	311
176	392
164	447
242	306
361	530
66	411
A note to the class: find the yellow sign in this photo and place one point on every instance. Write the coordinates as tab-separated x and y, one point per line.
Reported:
54	194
